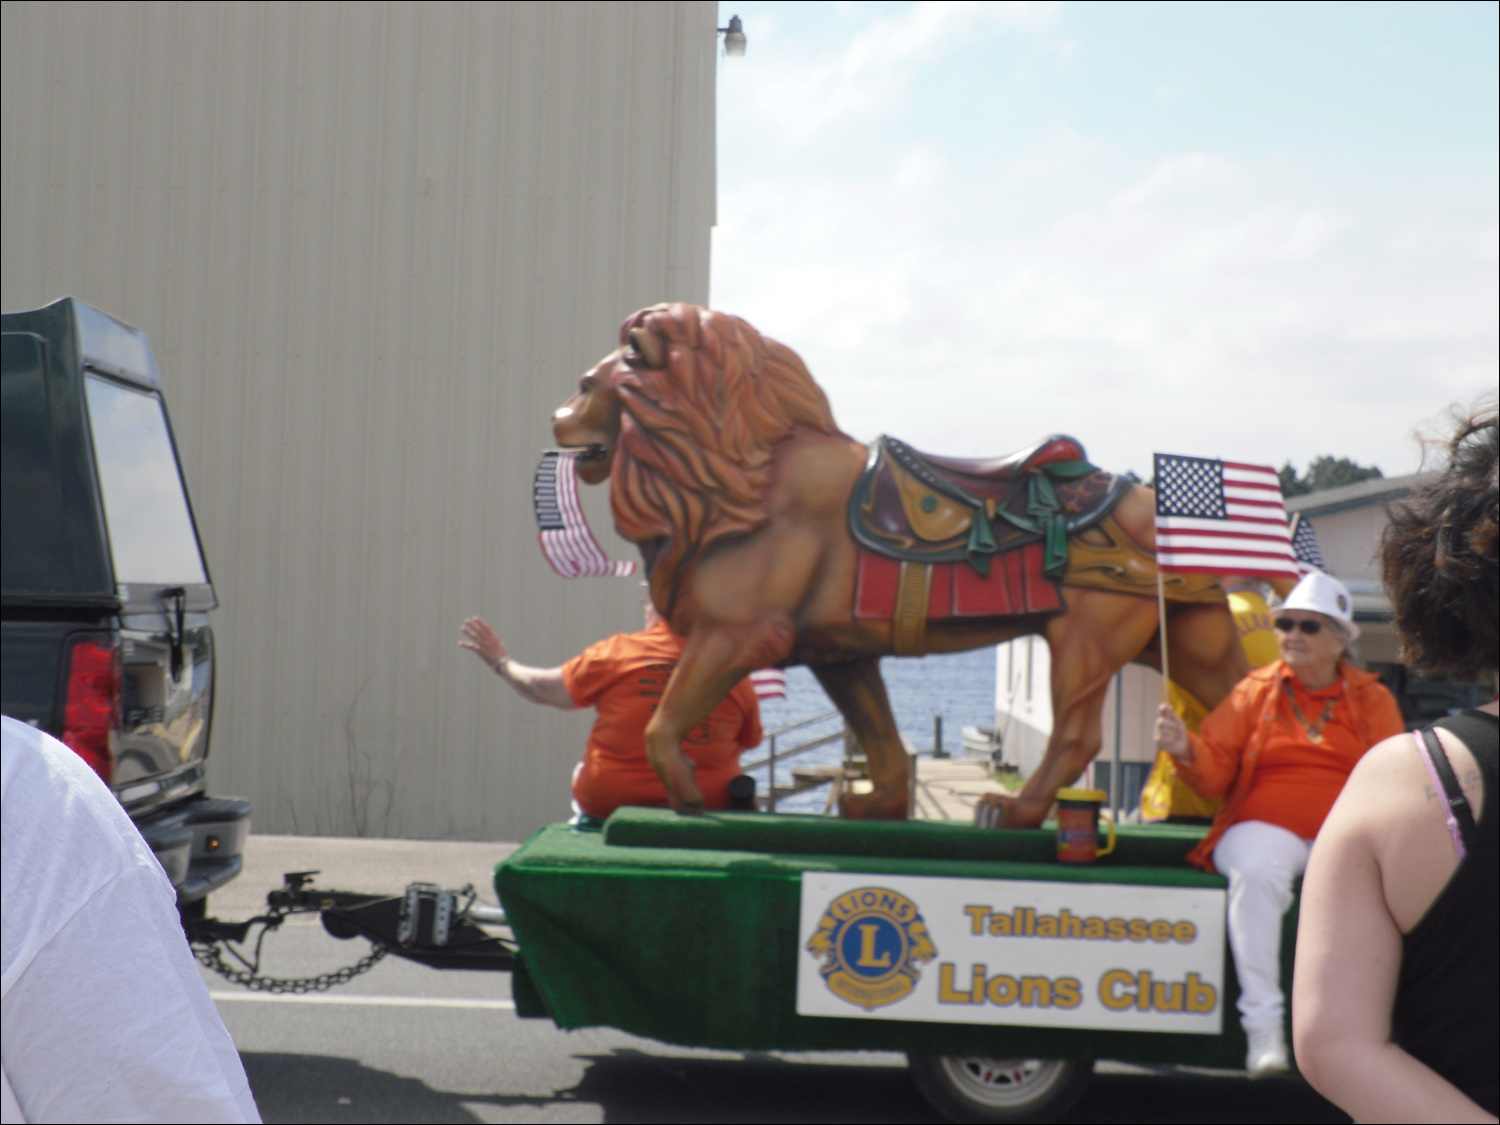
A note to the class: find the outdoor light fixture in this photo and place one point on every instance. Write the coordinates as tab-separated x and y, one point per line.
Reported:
734	37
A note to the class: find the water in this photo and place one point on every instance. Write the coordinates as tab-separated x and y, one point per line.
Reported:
959	686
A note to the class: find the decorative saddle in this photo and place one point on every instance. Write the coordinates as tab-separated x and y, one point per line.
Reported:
913	507
943	537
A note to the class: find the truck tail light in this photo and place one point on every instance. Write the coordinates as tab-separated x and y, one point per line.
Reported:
92	710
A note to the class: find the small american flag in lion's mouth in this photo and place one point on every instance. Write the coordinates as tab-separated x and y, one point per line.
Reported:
569	544
567	541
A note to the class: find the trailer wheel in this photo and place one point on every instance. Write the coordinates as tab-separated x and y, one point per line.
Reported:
970	1089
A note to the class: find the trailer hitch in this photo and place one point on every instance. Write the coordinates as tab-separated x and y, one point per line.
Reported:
429	924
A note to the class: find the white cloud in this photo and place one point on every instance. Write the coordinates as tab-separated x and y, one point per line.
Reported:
1235	325
971	295
799	99
1196	170
1487	243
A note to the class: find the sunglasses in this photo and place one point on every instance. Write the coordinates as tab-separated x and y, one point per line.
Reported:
1287	625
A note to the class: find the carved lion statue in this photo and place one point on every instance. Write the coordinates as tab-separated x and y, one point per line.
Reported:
727	470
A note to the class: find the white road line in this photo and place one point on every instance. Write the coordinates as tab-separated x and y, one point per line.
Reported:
370	1001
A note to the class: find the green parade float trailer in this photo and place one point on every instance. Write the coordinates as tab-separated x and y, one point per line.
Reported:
1002	973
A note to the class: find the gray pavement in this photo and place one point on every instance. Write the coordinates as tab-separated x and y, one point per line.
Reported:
408	1043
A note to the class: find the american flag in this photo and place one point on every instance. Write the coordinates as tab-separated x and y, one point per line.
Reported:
769	683
1305	546
1220	517
562	529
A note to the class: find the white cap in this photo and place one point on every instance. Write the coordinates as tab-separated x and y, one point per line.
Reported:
1322	593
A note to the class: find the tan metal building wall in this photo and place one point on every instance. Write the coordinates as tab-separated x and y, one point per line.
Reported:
373	245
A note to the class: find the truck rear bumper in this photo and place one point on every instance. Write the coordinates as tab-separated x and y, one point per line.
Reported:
200	845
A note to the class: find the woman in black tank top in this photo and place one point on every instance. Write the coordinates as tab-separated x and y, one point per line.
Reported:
1396	999
1445	1010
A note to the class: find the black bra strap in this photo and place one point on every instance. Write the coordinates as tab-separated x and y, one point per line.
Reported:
1451	789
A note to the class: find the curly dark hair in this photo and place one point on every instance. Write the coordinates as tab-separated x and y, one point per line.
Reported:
1438	558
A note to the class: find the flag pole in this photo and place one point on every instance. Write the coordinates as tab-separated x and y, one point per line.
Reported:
1161	606
1160	477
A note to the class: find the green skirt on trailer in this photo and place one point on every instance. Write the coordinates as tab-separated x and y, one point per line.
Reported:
686	930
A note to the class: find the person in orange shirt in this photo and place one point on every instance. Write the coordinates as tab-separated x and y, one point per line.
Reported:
623	678
1165	796
1278	749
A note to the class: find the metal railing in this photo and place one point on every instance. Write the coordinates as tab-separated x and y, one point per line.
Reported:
918	787
773	757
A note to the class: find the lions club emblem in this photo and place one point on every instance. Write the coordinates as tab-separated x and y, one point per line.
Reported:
871	941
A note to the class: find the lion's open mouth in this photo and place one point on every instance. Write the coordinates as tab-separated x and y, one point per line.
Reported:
594	452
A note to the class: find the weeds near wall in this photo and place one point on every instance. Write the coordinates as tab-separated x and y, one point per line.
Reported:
369	787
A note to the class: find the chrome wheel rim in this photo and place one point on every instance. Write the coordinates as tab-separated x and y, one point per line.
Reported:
1002	1082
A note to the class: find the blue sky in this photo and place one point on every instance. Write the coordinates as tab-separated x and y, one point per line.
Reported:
1258	231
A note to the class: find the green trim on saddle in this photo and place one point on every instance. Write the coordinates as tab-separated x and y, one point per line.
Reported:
913	508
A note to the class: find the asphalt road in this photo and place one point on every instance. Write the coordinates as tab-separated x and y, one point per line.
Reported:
408	1043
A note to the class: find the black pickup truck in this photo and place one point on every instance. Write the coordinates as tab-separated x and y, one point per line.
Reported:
105	635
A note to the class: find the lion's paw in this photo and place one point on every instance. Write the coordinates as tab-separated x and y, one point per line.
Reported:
876	805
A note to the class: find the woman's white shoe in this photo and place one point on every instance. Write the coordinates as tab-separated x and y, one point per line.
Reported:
1267	1053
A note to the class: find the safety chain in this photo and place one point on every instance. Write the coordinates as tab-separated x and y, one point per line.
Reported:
209	957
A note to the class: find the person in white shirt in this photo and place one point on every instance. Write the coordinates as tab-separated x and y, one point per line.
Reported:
103	1015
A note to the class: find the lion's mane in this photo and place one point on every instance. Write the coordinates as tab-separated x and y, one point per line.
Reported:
692	466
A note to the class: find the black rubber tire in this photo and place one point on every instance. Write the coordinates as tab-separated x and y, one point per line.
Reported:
970	1089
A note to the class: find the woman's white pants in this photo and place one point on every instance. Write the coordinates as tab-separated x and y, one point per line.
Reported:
1261	862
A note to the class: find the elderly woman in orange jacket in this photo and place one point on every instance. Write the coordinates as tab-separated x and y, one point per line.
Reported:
1278	749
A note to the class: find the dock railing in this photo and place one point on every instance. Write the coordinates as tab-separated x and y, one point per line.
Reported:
848	768
773	757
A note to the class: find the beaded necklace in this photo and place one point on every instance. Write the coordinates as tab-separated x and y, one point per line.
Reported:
1313	731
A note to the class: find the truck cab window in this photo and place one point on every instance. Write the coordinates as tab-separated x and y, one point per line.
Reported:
151	535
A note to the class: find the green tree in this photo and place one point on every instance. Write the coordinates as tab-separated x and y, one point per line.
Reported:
1324	472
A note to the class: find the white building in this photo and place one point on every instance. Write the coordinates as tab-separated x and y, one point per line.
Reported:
1349	522
1023	710
373	247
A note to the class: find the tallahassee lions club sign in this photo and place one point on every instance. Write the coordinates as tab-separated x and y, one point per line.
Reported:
1096	955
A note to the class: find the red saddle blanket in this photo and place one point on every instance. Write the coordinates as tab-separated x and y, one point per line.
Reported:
1014	585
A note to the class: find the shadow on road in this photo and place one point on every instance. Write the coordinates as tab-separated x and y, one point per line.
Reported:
296	1088
629	1085
626	1085
1173	1096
